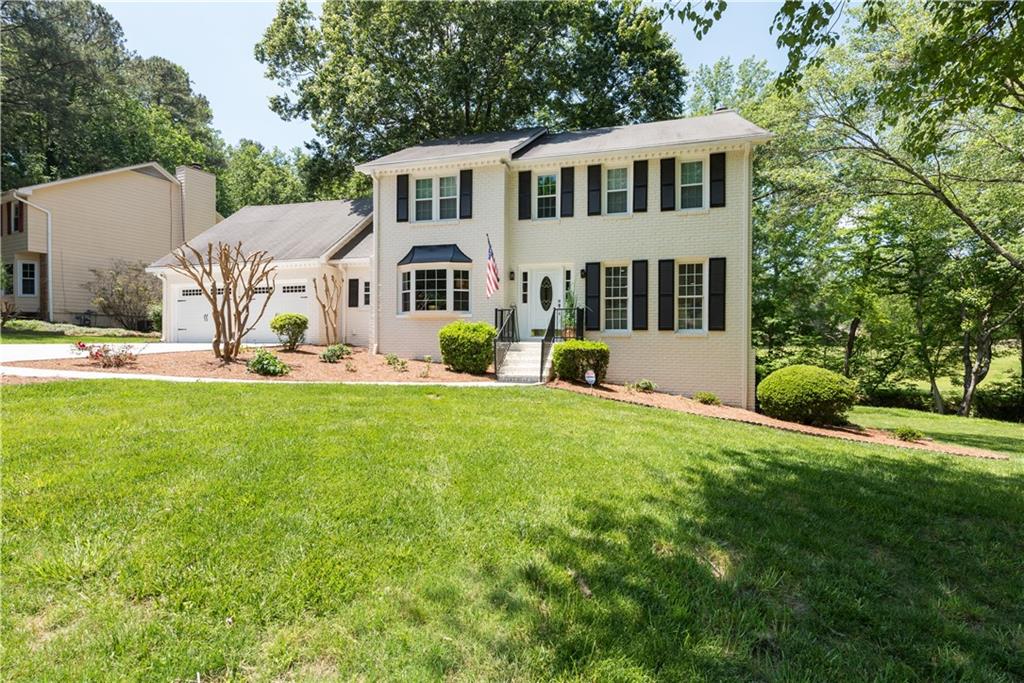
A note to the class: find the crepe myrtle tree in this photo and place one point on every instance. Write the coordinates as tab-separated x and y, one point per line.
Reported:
329	298
229	279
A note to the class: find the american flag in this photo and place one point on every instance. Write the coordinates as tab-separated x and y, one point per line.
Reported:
492	270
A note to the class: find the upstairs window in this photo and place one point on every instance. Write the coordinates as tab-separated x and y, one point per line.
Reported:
616	297
424	199
691	185
16	217
616	196
547	188
690	316
449	198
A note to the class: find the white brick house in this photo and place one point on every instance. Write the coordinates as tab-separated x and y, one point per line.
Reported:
649	224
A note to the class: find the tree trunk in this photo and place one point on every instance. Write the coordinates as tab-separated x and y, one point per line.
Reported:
851	339
974	371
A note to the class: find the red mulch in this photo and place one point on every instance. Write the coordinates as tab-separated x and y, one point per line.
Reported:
682	404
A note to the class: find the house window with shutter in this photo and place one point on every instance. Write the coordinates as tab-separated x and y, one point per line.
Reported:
616	298
547	192
690	298
617	192
449	202
424	199
16	218
691	185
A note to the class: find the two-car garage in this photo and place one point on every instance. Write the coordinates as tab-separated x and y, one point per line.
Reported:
191	314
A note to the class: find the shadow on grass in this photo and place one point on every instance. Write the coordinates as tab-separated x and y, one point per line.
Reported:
772	568
993	442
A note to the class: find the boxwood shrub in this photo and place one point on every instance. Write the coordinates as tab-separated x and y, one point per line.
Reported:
290	328
571	359
467	347
266	363
805	393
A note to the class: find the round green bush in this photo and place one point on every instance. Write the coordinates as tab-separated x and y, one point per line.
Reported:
571	359
808	394
467	347
266	363
290	328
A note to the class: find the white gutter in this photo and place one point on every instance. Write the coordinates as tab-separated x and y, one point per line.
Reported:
375	267
49	253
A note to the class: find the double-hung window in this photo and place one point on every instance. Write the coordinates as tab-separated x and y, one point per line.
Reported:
424	199
616	297
406	291
690	297
617	195
547	189
366	292
691	185
442	205
27	284
460	290
16	217
449	202
432	290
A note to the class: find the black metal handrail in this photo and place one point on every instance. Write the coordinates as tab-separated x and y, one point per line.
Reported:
569	323
508	333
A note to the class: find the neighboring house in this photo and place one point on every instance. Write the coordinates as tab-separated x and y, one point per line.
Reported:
54	234
306	241
649	225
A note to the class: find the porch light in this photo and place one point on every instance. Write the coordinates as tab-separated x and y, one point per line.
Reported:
583	273
511	276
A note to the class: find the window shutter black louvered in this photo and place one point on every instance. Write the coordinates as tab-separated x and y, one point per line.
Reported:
466	193
594	190
668	184
568	188
524	195
593	297
353	293
402	196
640	186
639	295
716	177
716	294
666	283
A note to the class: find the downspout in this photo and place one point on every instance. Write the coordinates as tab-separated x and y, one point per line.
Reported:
375	311
748	331
49	255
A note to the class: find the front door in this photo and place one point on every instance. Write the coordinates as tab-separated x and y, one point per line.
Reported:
544	294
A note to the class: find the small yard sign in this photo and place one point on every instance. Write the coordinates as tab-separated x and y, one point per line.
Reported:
590	377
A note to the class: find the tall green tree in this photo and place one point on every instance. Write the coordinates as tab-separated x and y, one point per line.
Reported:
374	77
255	176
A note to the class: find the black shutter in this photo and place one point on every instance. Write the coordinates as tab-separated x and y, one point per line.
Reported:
716	174
353	293
639	295
593	296
524	195
668	184
666	300
568	186
639	186
403	198
716	294
594	190
466	193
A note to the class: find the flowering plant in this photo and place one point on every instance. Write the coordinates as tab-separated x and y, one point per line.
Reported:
105	355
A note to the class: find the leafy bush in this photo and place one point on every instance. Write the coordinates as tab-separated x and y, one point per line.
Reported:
335	353
77	331
395	363
644	386
467	347
707	398
156	317
571	359
907	434
903	396
809	394
266	363
1001	400
106	355
125	291
290	328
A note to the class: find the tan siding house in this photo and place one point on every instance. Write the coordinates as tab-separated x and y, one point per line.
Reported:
133	214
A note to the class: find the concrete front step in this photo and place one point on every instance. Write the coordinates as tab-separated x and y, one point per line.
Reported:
522	364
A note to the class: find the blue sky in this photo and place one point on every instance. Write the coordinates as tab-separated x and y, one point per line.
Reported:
214	42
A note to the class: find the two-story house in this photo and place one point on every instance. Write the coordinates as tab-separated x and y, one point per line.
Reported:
53	235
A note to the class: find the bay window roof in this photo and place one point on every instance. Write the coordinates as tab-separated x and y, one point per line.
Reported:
435	253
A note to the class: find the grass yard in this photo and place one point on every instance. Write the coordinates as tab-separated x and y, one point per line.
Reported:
159	531
1005	437
38	337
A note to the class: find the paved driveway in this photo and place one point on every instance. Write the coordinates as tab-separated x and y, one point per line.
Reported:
15	352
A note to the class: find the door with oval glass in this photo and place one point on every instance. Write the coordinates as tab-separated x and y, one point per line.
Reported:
545	294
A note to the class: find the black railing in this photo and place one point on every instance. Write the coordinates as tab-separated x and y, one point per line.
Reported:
508	334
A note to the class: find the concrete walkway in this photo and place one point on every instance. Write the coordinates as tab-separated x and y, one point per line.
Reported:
10	353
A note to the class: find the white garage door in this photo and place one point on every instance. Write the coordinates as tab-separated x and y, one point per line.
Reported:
192	311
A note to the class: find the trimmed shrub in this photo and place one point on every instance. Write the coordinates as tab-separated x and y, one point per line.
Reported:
266	363
808	394
707	398
467	347
907	434
290	328
1001	400
571	359
644	386
156	317
335	353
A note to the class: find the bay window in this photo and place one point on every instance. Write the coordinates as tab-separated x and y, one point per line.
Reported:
429	290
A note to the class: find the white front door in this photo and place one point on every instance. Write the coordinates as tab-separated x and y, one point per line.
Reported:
543	289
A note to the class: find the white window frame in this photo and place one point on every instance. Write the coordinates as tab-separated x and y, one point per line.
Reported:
705	194
629	298
435	198
468	289
703	262
449	310
365	299
19	279
535	177
628	190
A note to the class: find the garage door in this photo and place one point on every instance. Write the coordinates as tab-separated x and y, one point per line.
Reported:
192	311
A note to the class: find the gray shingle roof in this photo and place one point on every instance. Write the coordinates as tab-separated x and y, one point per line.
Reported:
288	232
360	246
483	144
724	125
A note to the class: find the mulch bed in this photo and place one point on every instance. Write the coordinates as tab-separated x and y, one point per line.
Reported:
305	365
682	404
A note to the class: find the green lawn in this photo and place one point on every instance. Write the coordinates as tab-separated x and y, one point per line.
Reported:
37	337
162	531
1004	365
1007	437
